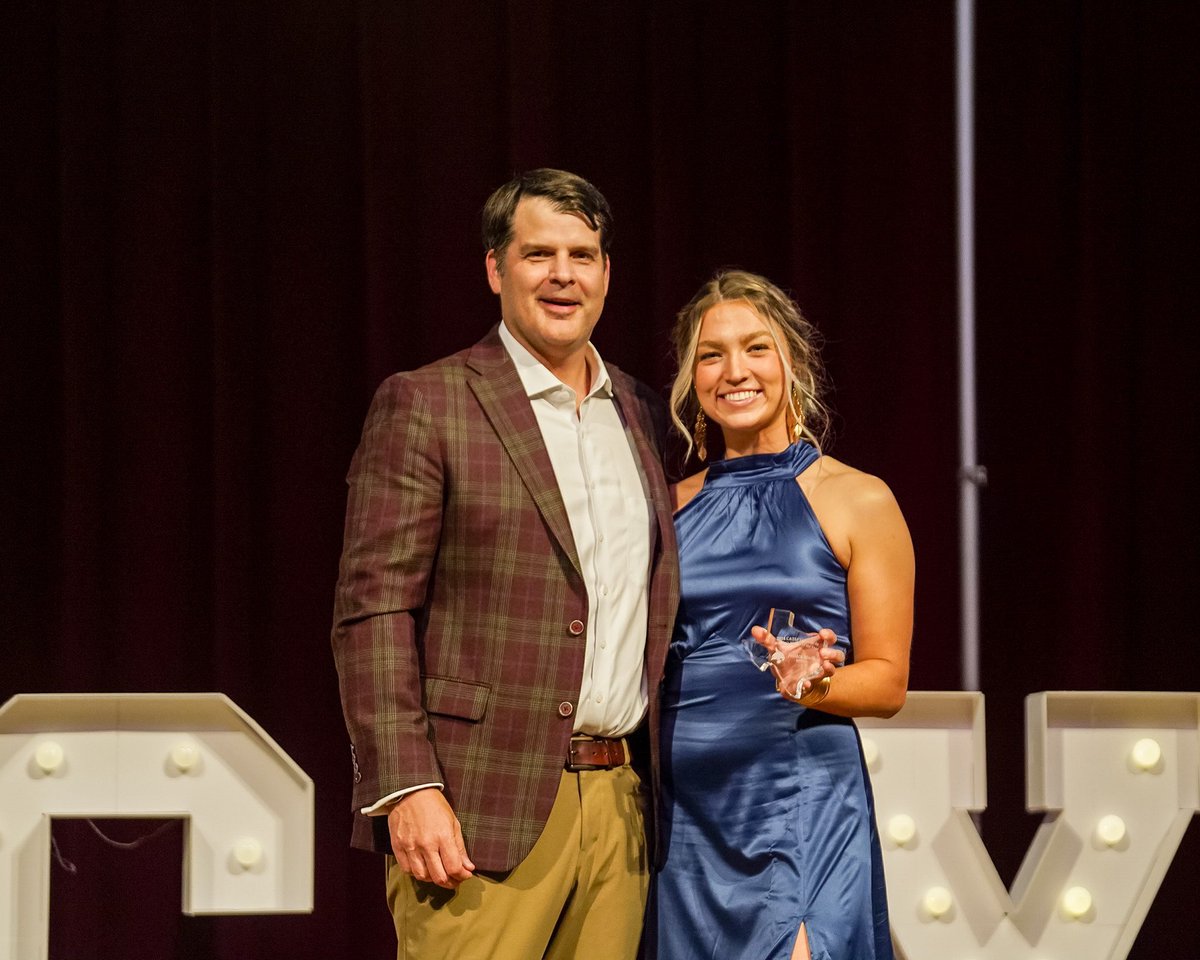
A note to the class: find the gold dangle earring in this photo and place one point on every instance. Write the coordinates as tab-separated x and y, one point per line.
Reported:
700	434
797	413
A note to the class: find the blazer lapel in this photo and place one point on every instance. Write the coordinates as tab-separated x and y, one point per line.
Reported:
502	396
664	570
648	457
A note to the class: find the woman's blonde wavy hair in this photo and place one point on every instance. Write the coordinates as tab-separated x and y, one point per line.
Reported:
795	339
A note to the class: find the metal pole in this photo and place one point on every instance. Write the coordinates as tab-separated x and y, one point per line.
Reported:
971	476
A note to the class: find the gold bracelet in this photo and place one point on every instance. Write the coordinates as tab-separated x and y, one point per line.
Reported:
818	692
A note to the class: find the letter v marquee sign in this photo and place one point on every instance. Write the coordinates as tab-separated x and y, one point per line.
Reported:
1118	777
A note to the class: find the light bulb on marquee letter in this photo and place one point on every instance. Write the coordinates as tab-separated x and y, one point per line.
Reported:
1111	829
185	756
48	756
247	852
901	829
1076	902
937	902
870	751
1146	754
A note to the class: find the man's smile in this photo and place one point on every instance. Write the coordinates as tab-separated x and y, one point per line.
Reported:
558	304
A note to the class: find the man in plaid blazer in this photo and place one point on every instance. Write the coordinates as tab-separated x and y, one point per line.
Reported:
506	597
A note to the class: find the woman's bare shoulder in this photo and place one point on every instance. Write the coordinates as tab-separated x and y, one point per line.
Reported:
683	491
830	478
850	504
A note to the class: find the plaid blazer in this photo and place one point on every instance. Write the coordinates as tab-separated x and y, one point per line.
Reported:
459	583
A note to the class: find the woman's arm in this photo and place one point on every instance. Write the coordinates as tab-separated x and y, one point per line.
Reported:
863	524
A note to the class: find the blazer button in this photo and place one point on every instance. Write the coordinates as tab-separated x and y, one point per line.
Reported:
576	627
565	709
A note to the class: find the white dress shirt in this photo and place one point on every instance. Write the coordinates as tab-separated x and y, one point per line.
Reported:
601	486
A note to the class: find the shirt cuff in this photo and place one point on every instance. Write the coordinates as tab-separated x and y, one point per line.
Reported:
380	808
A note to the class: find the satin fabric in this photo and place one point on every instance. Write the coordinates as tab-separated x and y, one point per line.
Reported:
768	816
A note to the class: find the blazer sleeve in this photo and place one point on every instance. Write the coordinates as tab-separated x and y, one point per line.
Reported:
393	524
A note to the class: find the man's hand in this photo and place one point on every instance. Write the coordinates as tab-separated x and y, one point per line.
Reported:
427	840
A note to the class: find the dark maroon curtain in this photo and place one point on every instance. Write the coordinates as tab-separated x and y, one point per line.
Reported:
225	222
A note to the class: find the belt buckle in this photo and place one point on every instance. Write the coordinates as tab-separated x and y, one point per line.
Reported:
574	765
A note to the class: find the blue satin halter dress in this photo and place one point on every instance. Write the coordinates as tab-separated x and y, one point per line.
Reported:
768	817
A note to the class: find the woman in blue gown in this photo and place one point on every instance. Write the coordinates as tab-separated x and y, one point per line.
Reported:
770	844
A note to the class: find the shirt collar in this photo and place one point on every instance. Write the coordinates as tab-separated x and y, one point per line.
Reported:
539	381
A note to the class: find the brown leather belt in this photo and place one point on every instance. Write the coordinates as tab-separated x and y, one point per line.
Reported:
596	753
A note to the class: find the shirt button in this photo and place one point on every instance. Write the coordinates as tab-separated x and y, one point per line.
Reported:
565	709
576	627
599	698
603	644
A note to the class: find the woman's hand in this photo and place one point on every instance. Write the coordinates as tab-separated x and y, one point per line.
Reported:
795	663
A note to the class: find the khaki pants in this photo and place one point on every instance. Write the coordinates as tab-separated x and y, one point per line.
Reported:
579	894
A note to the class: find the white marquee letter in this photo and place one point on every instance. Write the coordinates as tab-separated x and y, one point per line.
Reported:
1118	777
248	808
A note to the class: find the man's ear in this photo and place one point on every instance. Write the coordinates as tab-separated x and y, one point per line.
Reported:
493	270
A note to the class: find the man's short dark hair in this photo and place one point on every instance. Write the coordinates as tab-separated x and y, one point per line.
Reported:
567	192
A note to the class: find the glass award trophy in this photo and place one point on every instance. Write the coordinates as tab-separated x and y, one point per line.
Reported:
796	656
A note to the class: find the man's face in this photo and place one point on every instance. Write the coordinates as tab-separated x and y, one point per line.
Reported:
552	282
